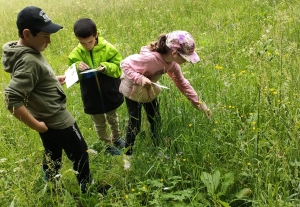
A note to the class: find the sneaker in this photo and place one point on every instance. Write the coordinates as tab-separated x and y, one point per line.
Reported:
84	186
120	143
126	161
112	150
103	189
48	177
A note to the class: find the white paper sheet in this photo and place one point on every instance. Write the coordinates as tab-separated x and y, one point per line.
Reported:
161	86
71	75
88	71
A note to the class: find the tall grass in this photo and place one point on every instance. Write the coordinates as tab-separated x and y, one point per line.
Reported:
246	155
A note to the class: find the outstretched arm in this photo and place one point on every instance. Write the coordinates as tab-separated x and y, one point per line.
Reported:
184	86
202	106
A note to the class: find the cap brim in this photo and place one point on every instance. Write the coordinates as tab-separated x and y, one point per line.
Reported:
193	58
51	28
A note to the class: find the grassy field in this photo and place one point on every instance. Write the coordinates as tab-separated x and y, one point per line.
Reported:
246	155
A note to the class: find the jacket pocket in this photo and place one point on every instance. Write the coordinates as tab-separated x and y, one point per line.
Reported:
56	101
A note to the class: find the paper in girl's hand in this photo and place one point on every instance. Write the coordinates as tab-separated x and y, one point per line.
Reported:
161	86
71	75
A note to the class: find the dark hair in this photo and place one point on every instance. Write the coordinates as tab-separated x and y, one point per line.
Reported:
160	45
84	28
33	31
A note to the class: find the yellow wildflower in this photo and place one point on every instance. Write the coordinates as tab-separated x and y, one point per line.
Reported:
218	67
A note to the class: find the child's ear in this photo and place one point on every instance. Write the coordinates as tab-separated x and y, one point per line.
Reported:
174	53
26	34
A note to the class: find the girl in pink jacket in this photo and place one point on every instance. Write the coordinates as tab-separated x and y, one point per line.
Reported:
141	71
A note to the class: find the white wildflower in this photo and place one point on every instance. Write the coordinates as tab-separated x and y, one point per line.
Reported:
91	151
3	160
17	169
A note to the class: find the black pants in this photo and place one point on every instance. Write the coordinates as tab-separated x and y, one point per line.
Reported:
134	126
71	141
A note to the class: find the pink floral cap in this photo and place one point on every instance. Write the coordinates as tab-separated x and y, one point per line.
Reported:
184	43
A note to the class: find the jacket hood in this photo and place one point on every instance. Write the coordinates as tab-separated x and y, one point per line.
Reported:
12	52
146	52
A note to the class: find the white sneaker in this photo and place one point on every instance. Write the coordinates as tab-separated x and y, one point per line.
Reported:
126	160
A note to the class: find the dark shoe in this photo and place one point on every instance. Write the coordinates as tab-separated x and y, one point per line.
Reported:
120	143
50	175
85	184
103	189
112	150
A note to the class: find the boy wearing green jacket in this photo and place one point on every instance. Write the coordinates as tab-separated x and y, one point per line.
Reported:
100	89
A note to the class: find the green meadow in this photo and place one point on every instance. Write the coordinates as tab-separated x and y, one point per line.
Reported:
245	155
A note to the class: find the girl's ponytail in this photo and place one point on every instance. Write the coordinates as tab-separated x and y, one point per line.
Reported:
160	45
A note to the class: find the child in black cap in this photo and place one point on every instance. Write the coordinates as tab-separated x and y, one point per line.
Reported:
35	96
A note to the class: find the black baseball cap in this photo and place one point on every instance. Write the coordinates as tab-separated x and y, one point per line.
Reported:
32	17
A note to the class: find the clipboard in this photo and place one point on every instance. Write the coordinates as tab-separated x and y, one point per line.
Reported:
88	71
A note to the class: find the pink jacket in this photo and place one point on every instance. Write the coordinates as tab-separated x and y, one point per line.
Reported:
151	65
